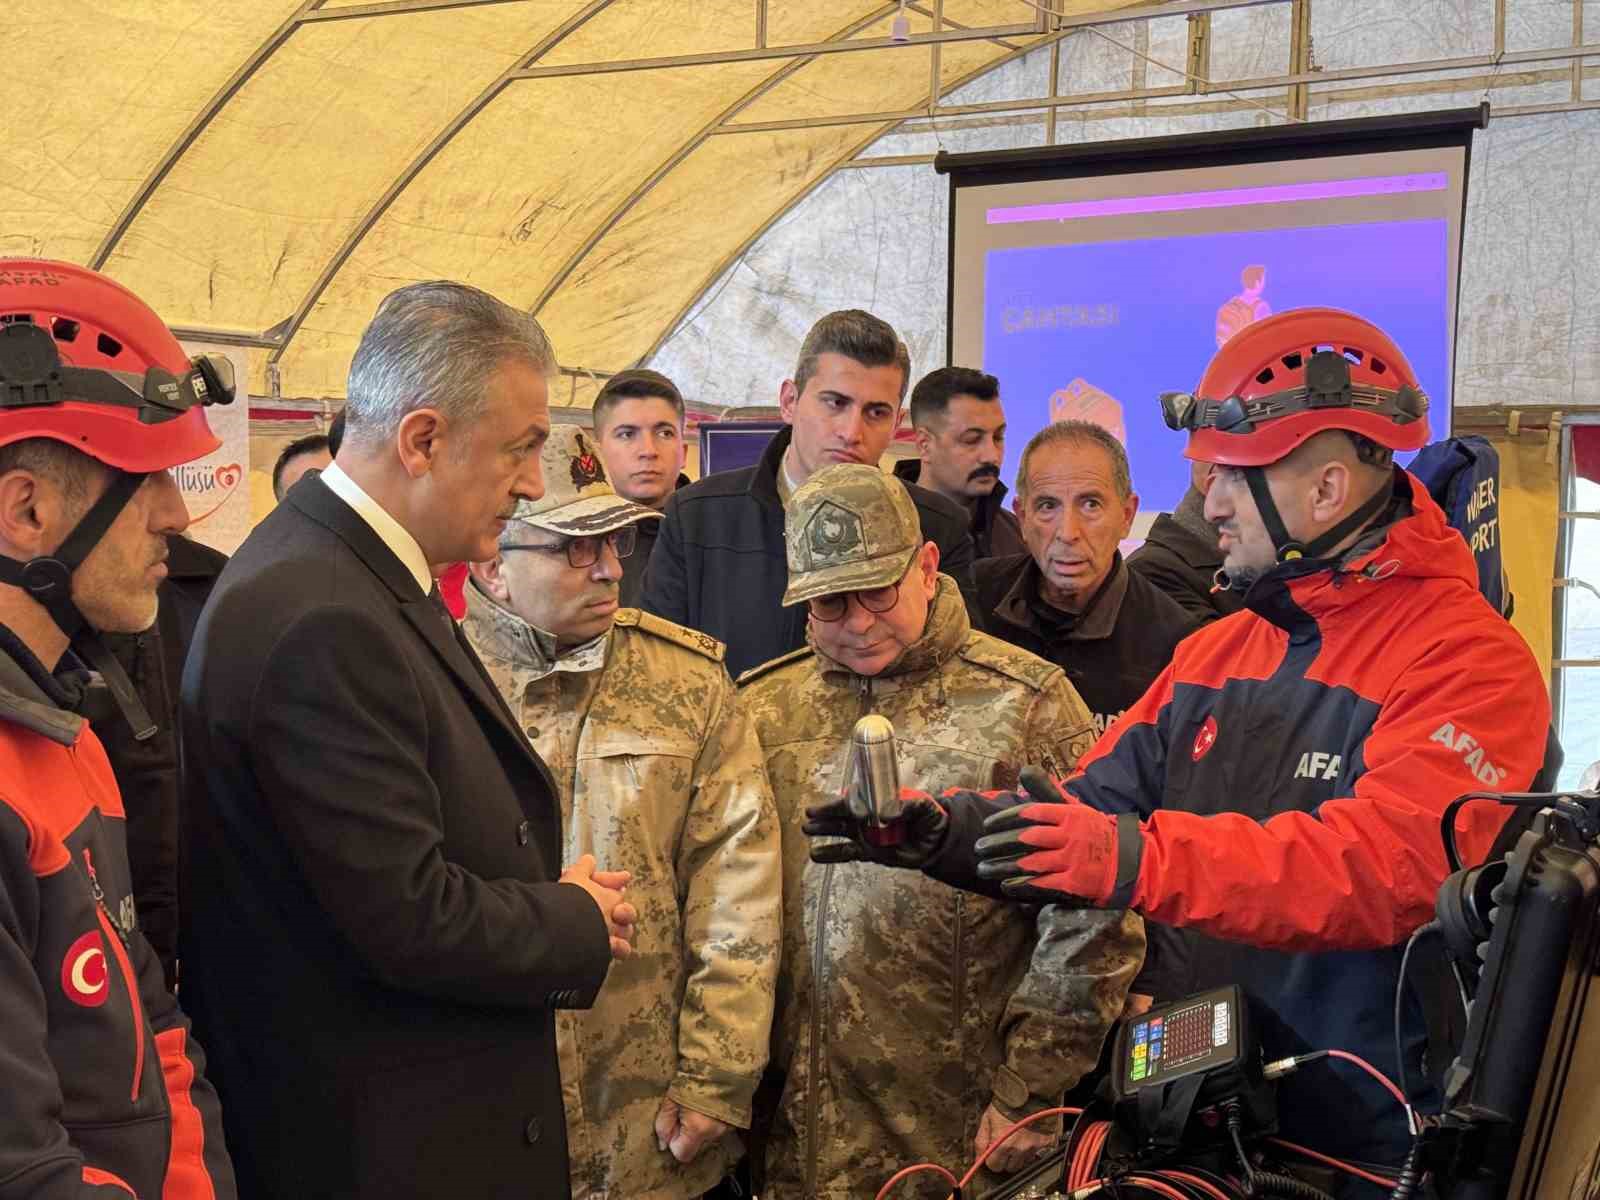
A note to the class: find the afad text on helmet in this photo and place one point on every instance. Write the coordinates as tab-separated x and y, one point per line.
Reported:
29	277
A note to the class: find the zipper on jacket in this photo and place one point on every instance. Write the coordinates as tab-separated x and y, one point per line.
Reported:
119	950
961	964
818	966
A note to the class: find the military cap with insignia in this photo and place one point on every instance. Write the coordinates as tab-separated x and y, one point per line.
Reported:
848	528
578	499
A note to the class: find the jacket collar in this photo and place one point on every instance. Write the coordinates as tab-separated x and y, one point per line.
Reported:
983	512
764	481
942	638
1098	619
1295	595
33	698
319	502
499	634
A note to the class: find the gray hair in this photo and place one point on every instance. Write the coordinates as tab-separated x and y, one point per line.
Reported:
857	335
68	468
435	345
1080	433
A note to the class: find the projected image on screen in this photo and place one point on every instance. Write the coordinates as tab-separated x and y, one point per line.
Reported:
1092	284
1096	330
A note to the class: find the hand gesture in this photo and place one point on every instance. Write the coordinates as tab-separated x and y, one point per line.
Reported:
605	888
914	836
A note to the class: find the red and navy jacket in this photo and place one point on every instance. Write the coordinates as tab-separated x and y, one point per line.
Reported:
102	1090
1291	767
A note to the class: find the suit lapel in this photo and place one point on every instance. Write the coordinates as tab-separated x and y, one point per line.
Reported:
318	502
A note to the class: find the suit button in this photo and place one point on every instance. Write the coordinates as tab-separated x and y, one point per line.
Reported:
532	731
522	834
532	1131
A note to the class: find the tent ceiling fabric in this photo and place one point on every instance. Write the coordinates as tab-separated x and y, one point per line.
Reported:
368	150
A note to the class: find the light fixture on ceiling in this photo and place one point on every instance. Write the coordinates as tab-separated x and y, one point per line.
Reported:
900	27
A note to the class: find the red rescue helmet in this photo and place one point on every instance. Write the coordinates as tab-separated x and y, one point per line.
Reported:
86	362
1284	379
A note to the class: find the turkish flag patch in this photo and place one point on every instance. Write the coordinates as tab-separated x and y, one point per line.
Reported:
85	976
1205	739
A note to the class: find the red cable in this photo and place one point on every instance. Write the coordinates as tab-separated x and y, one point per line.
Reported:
1374	1072
1150	1183
999	1141
909	1171
1326	1160
1205	1185
1087	1156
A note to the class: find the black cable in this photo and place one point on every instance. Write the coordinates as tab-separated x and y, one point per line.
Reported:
1410	1174
1447	823
1235	1124
1266	1183
1399	1008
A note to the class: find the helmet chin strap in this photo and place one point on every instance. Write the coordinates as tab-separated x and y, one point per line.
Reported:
1289	549
48	579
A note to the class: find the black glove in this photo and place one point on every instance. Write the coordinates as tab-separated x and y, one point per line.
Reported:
918	833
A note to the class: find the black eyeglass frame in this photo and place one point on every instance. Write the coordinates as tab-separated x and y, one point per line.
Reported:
622	542
843	599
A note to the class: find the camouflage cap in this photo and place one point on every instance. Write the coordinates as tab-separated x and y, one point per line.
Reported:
849	527
578	499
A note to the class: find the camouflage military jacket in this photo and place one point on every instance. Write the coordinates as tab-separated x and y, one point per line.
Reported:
660	774
906	1007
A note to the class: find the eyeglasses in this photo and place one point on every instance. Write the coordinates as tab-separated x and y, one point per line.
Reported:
833	607
585	551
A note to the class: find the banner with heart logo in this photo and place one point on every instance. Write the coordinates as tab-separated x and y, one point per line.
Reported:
216	487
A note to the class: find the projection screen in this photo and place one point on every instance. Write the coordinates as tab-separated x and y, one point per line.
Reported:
1089	279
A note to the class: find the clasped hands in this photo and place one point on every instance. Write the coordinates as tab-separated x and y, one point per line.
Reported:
1041	846
605	888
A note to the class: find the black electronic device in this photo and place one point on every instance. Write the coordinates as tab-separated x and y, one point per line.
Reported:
1521	1116
1201	1034
1177	1068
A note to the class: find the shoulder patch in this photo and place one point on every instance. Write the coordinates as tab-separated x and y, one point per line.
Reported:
768	667
1011	661
690	639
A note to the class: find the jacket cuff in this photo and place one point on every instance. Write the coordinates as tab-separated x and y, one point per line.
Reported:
713	1093
591	953
955	862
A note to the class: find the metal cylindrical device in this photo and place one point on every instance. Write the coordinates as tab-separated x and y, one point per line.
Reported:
873	773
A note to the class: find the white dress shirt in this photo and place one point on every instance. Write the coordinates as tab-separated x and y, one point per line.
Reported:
393	534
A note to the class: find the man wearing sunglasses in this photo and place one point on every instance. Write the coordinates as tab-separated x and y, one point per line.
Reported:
659	774
1272	804
914	1024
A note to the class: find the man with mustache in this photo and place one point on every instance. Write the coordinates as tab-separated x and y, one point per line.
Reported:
717	565
377	929
961	442
1069	597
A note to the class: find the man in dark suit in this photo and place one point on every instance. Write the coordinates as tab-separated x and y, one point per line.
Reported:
718	564
374	928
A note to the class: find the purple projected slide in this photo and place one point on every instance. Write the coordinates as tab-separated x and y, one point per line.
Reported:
1097	331
1275	193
